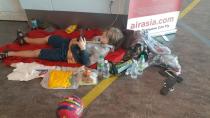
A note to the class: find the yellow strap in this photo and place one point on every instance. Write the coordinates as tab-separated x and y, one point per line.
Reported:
189	8
96	91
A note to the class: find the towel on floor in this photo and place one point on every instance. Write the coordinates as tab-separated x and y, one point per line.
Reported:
27	71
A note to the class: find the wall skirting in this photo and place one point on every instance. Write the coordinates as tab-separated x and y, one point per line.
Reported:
89	20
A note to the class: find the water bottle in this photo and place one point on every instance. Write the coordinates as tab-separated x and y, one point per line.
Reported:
141	63
128	71
100	65
34	24
134	70
106	69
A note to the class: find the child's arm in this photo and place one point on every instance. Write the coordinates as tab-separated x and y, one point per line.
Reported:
73	42
81	43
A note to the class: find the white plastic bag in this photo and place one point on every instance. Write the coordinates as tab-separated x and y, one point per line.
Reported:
154	45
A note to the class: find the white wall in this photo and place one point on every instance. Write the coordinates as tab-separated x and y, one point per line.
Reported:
36	4
11	10
91	6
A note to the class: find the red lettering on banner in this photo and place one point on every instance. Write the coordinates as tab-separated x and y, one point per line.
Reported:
153	14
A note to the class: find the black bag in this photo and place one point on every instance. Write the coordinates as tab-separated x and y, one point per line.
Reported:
131	38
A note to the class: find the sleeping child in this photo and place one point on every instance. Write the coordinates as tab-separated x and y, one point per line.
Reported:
72	51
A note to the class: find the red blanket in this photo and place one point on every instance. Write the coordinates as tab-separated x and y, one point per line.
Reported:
89	34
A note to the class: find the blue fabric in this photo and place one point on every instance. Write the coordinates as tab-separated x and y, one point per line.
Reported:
59	49
81	56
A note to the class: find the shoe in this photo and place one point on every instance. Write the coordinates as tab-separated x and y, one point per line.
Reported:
168	86
20	38
169	73
128	54
19	33
3	55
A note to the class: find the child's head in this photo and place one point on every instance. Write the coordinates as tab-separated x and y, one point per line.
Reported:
111	36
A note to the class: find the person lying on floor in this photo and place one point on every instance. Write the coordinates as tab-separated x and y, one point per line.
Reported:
72	51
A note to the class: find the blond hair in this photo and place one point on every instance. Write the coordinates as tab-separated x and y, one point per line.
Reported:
114	35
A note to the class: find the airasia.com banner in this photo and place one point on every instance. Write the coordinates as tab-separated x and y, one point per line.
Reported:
154	15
